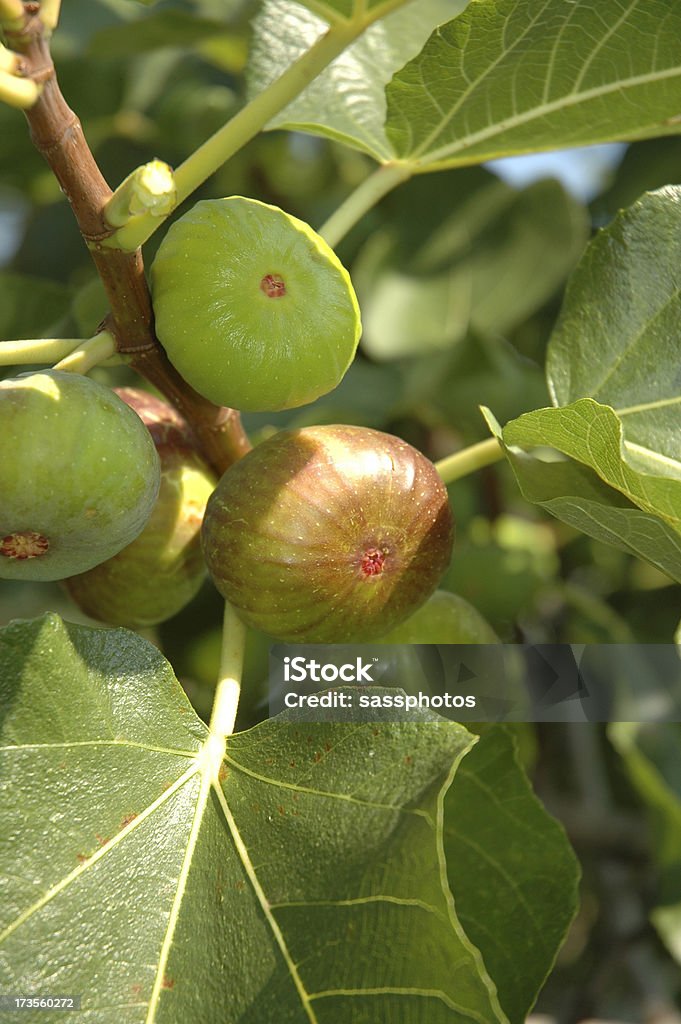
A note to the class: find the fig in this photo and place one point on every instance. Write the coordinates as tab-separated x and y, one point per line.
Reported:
79	475
445	618
153	578
328	534
253	308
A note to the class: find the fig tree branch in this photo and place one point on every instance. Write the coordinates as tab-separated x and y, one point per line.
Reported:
57	133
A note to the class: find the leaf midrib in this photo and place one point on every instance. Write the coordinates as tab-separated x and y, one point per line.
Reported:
535	113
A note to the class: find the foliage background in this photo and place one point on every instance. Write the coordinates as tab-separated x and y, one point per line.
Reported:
479	267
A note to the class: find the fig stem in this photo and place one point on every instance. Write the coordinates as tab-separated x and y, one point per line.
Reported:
226	702
384	179
88	354
49	14
216	150
36	350
18	92
468	460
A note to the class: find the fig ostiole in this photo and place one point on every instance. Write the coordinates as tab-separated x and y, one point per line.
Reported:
79	475
328	534
156	575
252	306
445	618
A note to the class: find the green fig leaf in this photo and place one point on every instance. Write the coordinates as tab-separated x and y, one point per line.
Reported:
617	339
515	882
574	493
31	306
164	28
347	101
509	77
613	372
592	434
319	848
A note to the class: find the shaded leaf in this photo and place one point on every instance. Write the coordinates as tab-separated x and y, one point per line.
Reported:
512	871
651	756
508	77
347	101
488	262
30	307
166	28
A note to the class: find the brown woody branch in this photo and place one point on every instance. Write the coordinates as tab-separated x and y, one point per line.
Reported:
57	133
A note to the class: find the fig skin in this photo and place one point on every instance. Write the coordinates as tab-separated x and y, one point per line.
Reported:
328	534
153	578
78	479
445	618
253	308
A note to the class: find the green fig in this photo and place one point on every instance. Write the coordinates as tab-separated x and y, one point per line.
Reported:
153	578
79	475
252	306
328	534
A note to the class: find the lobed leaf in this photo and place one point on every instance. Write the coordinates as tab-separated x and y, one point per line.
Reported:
128	877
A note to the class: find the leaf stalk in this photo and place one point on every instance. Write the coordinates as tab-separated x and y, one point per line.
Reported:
228	690
36	350
89	354
242	128
367	194
468	460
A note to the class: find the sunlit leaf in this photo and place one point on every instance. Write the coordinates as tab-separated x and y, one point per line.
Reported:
514	77
271	895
